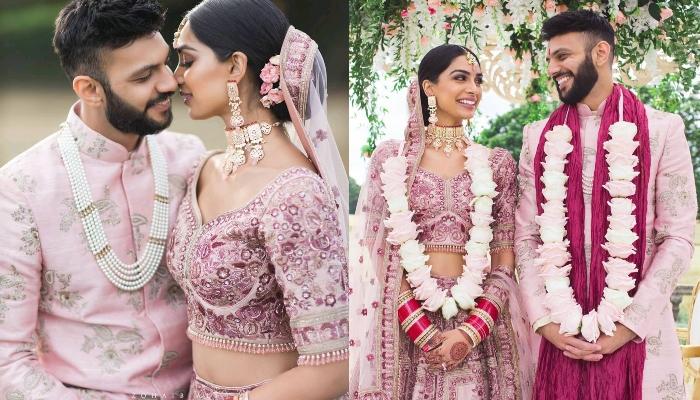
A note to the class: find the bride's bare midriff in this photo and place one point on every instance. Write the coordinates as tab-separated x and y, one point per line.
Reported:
232	368
446	264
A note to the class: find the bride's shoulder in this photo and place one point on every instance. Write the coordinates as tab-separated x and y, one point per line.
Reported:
384	150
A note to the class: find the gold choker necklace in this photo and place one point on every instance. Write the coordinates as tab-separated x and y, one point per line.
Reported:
447	137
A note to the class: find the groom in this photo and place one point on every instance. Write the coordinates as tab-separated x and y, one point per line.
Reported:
607	326
75	322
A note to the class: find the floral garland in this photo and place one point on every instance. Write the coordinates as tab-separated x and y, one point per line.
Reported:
404	232
553	254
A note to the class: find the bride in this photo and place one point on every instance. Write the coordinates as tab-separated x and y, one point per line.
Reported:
260	242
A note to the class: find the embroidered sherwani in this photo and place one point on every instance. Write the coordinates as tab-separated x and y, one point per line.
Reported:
65	331
670	228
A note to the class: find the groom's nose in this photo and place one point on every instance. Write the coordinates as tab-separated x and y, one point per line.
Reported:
167	82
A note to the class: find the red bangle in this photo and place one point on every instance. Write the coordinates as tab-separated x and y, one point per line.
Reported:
486	305
479	325
414	322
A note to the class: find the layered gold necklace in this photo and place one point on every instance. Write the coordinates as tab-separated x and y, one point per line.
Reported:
447	137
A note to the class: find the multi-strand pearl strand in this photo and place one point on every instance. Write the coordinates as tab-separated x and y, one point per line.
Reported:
404	232
124	276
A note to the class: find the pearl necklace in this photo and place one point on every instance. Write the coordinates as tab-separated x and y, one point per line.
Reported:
127	277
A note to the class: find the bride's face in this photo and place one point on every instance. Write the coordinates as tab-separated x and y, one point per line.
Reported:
201	77
457	91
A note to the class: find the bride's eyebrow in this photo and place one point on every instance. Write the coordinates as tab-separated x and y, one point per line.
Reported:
179	49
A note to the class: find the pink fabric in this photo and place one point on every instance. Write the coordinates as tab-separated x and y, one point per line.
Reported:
63	325
268	276
441	207
379	366
619	374
669	226
201	389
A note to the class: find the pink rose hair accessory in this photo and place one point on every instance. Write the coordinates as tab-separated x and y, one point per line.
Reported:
270	75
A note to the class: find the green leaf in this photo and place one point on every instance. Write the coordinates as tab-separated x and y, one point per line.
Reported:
655	11
642	3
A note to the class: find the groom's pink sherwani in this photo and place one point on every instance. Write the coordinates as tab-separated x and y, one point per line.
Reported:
670	229
65	331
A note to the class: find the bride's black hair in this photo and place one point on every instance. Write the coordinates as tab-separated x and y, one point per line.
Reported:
433	64
254	27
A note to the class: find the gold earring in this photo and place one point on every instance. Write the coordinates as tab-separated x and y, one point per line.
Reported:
235	135
432	110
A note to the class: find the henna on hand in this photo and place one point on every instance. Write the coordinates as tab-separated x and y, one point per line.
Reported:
459	351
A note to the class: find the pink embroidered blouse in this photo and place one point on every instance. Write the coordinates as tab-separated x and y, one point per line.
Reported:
441	206
270	276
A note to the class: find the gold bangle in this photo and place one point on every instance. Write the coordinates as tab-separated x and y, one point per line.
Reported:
483	315
411	319
404	297
425	336
471	333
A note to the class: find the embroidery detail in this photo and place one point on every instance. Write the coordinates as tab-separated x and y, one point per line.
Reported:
111	347
55	290
11	289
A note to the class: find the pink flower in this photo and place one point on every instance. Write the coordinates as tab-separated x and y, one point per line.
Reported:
620	250
404	14
265	87
622	222
620	18
478	12
447	26
424	41
431	10
434	3
535	98
589	326
436	299
620	282
275	96
558	148
552	254
550	6
491	3
608	313
270	73
666	13
417	277
403	228
449	9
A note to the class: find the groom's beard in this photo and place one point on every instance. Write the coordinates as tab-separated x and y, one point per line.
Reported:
129	119
583	82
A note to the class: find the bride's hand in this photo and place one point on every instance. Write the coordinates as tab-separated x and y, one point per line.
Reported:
454	349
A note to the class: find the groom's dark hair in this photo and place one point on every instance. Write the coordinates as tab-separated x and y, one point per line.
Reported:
84	28
594	25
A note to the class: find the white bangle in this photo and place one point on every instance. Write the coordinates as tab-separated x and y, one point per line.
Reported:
246	396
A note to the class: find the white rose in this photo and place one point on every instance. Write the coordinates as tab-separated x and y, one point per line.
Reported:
483	187
481	234
426	289
449	308
554	209
570	323
482	205
554	179
554	284
554	194
481	172
621	206
589	327
397	204
396	165
412	255
623	130
481	219
622	172
624	236
477	249
552	234
554	164
435	300
619	299
559	133
463	297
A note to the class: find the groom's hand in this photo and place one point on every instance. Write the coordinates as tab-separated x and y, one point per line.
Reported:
572	347
610	344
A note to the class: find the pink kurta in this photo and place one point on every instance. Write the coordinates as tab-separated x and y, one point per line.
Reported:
65	331
670	229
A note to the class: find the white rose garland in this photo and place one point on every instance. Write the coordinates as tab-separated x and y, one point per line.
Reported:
554	257
404	232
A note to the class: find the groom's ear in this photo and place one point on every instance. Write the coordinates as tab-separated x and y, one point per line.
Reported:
602	53
89	90
238	66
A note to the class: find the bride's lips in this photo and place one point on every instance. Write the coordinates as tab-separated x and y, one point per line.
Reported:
186	97
467	102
